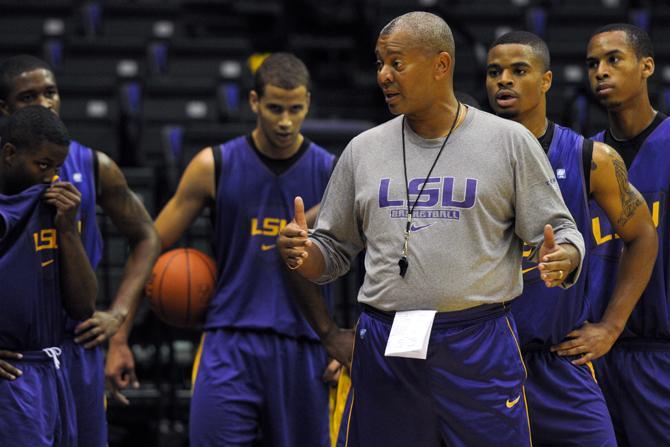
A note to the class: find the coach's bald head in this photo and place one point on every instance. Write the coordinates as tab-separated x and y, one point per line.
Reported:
429	32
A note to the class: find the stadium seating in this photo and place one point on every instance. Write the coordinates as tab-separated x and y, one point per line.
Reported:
151	82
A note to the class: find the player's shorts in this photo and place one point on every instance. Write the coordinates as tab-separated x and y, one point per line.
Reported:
635	378
36	409
86	371
259	388
566	406
468	392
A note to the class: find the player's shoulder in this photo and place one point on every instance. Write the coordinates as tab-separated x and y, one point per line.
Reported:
319	155
77	151
79	147
567	140
316	149
602	152
235	144
563	130
663	127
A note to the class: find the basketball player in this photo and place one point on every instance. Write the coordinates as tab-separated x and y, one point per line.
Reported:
261	364
565	403
24	81
43	271
446	237
635	374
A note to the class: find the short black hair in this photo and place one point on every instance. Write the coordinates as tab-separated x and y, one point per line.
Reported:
11	67
637	38
529	39
29	127
283	70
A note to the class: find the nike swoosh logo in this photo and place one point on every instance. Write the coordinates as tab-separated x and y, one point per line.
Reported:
524	271
266	247
512	403
420	227
45	263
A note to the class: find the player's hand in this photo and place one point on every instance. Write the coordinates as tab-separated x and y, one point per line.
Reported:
557	261
339	344
7	371
332	372
120	371
591	341
66	198
97	329
293	238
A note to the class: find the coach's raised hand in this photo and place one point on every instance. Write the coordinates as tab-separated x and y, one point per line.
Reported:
298	252
557	261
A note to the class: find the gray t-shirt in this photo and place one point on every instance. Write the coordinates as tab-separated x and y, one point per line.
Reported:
491	189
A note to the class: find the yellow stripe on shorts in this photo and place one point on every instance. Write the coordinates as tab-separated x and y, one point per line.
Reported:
196	362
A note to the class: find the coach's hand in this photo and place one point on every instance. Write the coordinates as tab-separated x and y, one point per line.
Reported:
120	370
339	344
591	341
97	329
66	198
293	241
557	261
7	371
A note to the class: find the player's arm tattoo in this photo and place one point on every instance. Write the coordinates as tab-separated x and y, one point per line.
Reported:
630	200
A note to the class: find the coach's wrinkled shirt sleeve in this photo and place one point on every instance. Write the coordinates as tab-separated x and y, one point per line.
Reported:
539	202
337	230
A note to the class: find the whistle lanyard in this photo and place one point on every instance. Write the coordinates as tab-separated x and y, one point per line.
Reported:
403	263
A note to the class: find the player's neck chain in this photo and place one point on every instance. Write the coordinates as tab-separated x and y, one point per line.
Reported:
403	263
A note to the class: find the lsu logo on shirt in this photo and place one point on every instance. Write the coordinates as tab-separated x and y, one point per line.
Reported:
47	238
442	197
268	226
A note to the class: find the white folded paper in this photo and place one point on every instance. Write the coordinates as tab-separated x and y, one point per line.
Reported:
410	334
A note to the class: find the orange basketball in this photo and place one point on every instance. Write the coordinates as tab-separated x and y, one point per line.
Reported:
181	284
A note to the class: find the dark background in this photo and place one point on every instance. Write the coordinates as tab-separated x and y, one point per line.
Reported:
151	82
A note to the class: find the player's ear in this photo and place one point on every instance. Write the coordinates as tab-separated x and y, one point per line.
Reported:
8	153
648	67
254	100
547	78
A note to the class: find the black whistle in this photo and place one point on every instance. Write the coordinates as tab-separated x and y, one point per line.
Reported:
403	264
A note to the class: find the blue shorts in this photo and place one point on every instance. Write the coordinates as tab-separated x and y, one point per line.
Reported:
468	392
635	378
36	409
259	388
86	371
565	403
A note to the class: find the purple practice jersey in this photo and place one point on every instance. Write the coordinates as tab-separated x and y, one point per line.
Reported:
79	169
650	174
545	315
31	316
252	205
